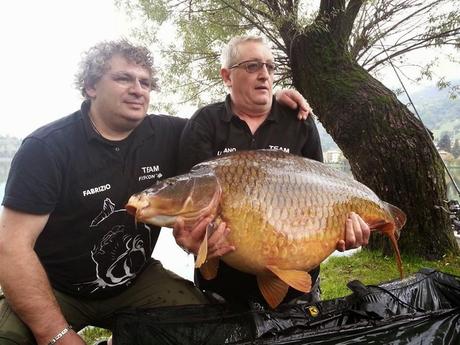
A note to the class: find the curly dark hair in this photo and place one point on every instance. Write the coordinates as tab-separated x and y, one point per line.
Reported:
94	63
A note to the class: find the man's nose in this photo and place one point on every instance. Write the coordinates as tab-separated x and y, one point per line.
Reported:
136	86
263	73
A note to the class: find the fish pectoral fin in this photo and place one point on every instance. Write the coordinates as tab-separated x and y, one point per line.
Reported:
188	202
209	269
202	251
272	288
299	280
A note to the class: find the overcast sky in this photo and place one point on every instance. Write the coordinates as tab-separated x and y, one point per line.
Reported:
42	43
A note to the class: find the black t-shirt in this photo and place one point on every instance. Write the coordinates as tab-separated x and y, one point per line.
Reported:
90	246
214	130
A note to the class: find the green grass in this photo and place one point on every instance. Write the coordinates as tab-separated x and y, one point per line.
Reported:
92	334
366	266
371	267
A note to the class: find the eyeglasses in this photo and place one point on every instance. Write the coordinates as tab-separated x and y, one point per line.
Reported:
129	79
253	66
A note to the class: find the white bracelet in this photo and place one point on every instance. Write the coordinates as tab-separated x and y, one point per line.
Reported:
60	335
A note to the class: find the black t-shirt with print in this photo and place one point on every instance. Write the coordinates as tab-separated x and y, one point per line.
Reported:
90	246
214	130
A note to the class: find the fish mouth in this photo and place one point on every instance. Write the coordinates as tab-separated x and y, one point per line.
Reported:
135	205
139	210
131	210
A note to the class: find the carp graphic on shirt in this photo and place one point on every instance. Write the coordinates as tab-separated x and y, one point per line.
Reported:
121	252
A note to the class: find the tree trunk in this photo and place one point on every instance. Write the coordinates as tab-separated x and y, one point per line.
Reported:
389	150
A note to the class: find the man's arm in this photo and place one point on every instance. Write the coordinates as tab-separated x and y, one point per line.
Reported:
24	280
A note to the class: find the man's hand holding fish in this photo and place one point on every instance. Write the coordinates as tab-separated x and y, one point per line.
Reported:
190	239
357	233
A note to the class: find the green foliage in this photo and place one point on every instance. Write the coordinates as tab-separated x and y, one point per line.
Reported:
372	267
197	30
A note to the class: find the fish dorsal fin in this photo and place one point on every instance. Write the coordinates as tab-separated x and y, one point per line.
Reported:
202	251
272	288
209	269
299	280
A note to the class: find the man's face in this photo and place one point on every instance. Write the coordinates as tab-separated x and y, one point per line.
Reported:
121	97
250	92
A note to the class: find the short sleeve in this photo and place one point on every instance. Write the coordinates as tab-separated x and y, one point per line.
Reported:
34	180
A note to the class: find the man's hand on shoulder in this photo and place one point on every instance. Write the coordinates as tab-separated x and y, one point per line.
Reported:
293	99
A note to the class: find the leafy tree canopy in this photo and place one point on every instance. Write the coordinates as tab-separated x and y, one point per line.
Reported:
190	35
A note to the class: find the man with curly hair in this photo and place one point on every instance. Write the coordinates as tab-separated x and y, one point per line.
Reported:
70	254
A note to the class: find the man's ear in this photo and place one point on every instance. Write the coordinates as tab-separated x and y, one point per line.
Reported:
225	74
90	91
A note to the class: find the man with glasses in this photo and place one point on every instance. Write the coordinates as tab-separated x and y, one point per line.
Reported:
250	118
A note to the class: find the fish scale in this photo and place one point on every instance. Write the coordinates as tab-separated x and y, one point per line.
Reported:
286	213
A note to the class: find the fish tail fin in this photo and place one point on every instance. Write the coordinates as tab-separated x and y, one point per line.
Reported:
399	218
392	231
394	243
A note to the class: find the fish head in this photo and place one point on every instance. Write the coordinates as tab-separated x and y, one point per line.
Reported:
189	196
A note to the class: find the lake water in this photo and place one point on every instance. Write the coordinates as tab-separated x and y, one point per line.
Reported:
175	259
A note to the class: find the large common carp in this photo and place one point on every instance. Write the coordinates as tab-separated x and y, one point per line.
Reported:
286	213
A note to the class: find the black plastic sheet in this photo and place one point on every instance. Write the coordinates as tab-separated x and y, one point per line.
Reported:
421	309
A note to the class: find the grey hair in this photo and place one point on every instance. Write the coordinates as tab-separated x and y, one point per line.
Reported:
230	53
95	62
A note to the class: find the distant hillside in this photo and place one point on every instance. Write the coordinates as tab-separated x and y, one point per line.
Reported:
439	113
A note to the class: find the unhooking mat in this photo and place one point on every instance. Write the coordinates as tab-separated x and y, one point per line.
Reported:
421	309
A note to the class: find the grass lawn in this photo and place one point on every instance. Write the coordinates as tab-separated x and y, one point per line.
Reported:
372	268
